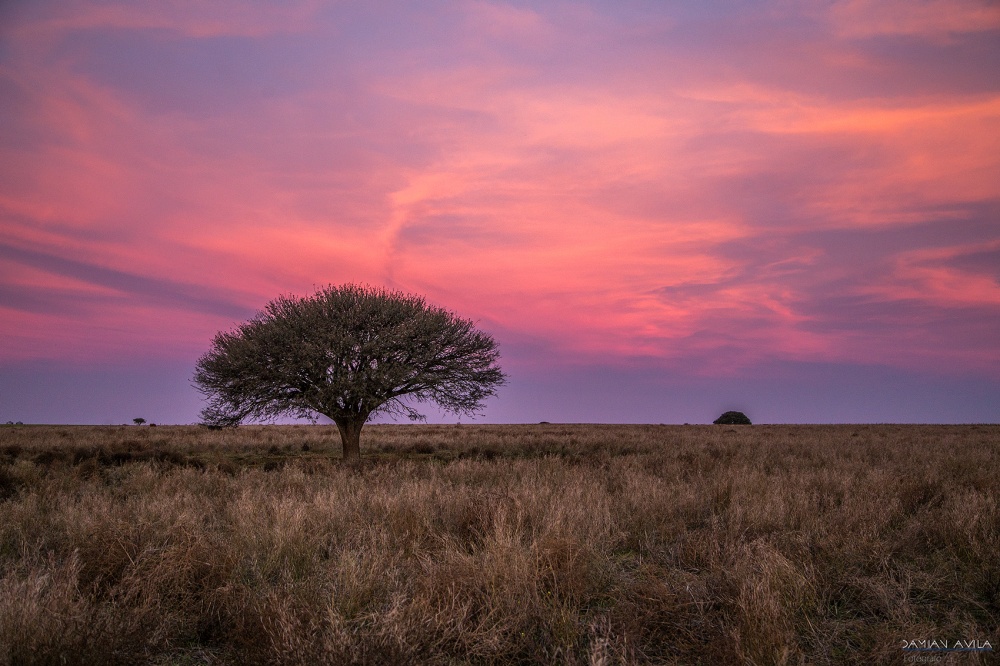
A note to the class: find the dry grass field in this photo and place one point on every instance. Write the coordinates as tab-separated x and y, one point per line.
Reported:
498	544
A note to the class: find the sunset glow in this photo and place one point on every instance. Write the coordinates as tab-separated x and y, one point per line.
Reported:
616	191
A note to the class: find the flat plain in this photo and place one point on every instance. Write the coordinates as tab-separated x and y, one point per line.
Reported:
512	544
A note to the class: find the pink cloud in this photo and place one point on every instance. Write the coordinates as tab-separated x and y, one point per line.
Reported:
664	205
935	18
196	20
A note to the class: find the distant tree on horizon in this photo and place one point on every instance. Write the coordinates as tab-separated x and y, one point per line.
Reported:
732	418
138	420
347	352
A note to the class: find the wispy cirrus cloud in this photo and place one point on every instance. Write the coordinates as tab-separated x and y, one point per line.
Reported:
924	18
697	188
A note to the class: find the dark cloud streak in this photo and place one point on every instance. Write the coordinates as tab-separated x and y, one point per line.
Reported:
157	291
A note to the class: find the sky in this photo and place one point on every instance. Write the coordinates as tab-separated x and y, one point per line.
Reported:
660	210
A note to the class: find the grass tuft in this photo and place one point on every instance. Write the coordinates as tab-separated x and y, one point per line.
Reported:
545	544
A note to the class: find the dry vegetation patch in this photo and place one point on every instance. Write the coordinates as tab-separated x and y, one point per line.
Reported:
496	544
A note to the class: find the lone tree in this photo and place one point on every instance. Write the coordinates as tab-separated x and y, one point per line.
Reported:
347	352
138	421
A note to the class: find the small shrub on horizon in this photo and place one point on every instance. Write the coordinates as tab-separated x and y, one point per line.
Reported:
732	418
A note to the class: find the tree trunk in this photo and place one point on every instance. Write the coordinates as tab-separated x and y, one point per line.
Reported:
350	435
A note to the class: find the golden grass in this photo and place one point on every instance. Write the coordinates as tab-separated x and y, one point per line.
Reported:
497	544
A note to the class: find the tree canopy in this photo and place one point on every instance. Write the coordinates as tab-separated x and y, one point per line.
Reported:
347	352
